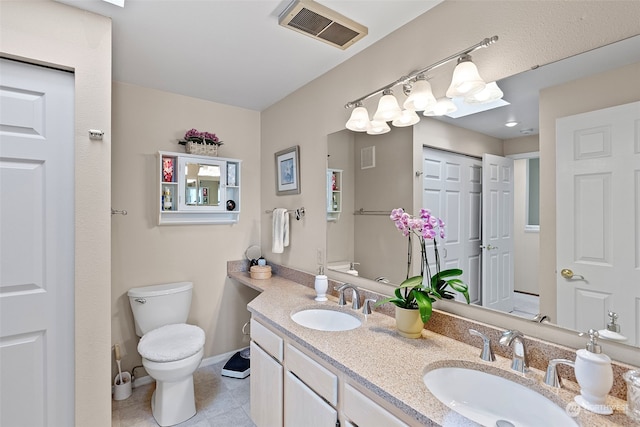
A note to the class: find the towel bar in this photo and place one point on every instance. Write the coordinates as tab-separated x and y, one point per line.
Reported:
299	212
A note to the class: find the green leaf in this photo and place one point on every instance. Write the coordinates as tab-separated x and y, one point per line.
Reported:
411	282
424	305
449	273
397	301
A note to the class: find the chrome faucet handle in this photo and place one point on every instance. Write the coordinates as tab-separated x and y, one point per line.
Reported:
551	378
355	298
487	352
515	339
341	299
366	309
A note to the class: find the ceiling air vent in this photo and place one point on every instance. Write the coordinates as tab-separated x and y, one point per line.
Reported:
321	23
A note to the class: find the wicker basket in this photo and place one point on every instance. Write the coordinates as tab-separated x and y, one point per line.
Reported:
260	272
192	147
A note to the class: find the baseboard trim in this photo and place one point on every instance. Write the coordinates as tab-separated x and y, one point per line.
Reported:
207	361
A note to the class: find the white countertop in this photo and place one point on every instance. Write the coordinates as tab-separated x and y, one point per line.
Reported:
392	367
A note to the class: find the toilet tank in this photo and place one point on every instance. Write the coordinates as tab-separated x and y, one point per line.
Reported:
158	305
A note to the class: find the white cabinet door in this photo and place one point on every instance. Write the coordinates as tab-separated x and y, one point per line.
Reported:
364	412
302	407
266	389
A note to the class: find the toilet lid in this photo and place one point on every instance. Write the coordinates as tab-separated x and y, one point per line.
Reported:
171	342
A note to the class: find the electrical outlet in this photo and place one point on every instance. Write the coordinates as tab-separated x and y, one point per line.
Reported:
320	257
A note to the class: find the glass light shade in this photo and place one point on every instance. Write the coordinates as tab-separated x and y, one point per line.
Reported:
421	97
378	127
465	81
408	118
359	120
490	93
388	109
442	107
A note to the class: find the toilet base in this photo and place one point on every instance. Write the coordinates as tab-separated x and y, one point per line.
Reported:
173	402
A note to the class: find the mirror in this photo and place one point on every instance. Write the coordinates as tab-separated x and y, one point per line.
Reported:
202	184
367	236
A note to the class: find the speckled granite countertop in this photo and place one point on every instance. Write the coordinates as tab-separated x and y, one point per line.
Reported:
392	367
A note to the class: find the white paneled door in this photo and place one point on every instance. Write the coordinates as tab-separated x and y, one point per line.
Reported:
36	246
497	233
452	190
598	220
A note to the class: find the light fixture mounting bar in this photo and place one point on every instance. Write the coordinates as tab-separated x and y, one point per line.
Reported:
404	79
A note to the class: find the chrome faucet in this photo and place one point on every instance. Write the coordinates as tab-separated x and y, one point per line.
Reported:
355	298
487	352
515	339
552	378
366	309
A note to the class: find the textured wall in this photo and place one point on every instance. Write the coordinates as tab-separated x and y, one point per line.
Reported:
143	253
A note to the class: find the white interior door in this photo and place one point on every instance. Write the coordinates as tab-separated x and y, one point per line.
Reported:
598	221
497	232
36	246
452	189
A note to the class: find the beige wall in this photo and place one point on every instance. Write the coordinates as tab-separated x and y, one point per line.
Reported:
340	238
593	93
380	248
50	33
143	253
531	33
526	244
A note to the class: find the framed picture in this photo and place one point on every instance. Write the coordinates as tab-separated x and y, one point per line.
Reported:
288	171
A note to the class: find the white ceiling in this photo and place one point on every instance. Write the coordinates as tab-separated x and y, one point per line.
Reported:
233	51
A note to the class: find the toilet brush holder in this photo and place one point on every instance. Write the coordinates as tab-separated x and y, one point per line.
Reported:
122	386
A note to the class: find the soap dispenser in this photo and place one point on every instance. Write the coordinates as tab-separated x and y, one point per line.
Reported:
352	268
595	376
612	332
321	284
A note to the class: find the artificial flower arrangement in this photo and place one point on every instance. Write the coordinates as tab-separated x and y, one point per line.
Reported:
193	135
420	292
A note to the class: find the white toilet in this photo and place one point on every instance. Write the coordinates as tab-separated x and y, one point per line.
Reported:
171	350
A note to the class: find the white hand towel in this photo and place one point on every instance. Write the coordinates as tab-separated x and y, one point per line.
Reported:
280	230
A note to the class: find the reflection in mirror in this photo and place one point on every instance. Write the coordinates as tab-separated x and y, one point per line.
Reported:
203	184
367	236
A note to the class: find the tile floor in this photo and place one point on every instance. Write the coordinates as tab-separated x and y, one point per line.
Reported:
220	402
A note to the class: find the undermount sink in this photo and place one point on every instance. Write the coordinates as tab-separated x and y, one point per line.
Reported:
326	320
491	400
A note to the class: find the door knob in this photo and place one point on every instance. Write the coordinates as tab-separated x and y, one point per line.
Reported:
568	274
488	247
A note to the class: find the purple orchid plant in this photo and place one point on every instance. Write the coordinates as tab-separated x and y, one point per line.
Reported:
422	291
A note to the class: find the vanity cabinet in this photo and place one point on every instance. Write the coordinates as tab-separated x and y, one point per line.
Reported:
198	189
266	388
362	411
334	194
303	407
267	380
291	388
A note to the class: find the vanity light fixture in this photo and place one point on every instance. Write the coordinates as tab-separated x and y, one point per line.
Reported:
359	120
407	118
443	106
466	83
420	97
388	108
466	80
377	127
490	93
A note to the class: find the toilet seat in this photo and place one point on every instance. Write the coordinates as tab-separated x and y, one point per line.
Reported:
170	343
